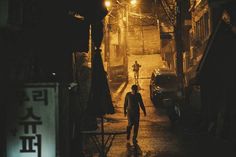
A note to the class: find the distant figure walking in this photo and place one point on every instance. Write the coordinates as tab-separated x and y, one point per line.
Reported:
132	102
136	67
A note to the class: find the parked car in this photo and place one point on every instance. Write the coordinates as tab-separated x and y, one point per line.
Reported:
163	86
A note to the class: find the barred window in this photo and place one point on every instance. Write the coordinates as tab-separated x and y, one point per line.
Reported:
202	28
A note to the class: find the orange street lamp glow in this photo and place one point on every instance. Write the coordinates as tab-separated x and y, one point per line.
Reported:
133	2
108	4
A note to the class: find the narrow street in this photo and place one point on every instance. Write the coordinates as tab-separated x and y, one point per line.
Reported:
155	138
68	65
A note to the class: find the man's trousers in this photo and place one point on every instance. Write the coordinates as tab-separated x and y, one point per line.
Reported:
133	120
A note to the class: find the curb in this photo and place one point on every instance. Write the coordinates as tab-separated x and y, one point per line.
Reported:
122	87
120	90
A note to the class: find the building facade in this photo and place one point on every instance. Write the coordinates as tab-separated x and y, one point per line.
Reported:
213	46
199	34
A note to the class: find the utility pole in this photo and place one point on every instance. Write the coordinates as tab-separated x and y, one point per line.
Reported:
107	42
179	43
141	25
127	9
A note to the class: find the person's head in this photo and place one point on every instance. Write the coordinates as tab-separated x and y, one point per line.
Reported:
136	62
134	88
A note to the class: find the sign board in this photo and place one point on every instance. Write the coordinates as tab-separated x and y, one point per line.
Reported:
32	121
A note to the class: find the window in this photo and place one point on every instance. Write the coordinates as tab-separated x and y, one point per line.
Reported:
202	27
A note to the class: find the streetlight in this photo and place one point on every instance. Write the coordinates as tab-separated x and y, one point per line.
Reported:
108	3
133	2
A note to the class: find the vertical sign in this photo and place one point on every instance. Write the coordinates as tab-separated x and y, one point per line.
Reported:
32	121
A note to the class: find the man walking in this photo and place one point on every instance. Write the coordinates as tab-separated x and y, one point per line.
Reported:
136	67
132	102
